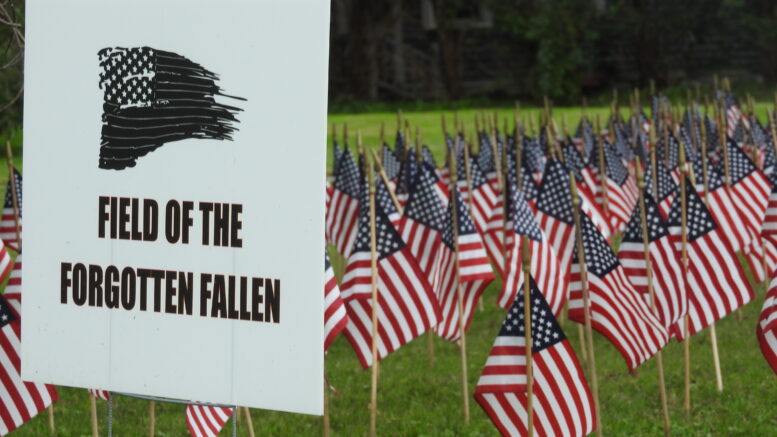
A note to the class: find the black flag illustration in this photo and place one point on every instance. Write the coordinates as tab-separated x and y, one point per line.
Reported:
153	97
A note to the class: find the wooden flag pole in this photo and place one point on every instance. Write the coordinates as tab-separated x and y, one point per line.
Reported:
459	287
687	320
586	301
705	181
250	423
15	201
374	282
93	410
528	336
651	291
151	418
602	170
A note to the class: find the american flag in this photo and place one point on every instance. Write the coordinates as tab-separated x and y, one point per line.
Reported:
666	268
767	326
749	188
428	156
100	394
19	401
8	223
6	265
621	190
13	289
562	404
343	214
724	211
665	184
545	265
554	212
407	306
474	273
391	163
734	115
709	256
406	177
205	420
769	232
488	215
617	311
424	221
383	198
335	316
486	160
143	88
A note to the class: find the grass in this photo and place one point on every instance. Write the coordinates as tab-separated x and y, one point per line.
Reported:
416	399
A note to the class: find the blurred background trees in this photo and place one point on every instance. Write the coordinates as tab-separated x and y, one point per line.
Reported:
386	53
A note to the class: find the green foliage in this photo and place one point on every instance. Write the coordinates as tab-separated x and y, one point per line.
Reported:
557	32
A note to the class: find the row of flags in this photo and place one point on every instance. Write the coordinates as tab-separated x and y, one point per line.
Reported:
443	233
709	196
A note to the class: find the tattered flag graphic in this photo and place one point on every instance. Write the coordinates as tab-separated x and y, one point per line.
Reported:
153	97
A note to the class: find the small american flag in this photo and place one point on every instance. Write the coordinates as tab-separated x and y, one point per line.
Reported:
335	316
406	177
622	187
206	421
19	401
475	271
716	283
668	283
343	214
545	264
666	186
734	115
407	306
617	311
724	211
391	163
767	326
749	188
100	394
562	403
424	221
8	223
554	212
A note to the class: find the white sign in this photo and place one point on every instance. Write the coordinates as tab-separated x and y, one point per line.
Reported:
174	173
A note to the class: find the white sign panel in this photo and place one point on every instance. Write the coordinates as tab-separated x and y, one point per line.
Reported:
174	165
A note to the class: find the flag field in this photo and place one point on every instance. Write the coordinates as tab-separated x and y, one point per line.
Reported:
418	400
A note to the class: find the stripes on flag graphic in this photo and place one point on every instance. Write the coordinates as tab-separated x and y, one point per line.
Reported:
424	221
475	271
562	403
545	266
206	420
766	330
19	401
342	217
8	224
153	97
716	284
335	316
617	311
407	306
666	268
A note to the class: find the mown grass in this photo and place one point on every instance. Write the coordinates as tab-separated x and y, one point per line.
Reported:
418	399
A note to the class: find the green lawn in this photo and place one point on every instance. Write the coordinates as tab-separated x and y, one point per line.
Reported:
416	399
